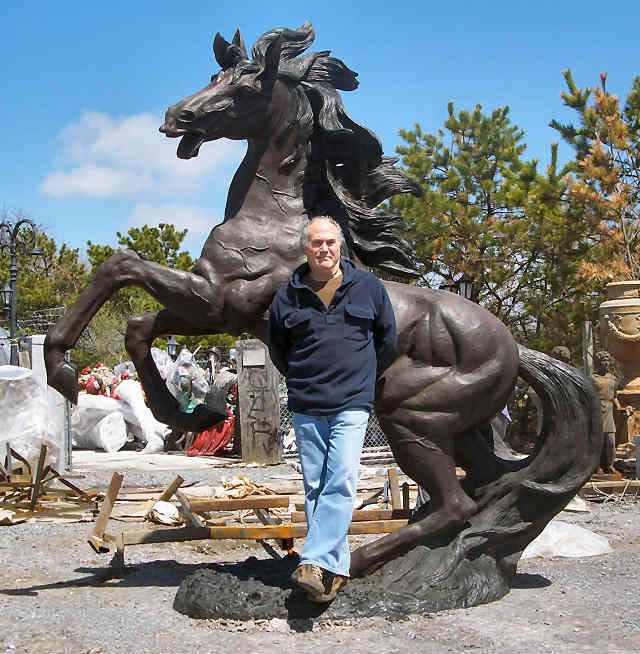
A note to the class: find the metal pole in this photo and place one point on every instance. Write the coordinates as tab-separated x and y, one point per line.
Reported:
587	348
67	428
9	242
13	285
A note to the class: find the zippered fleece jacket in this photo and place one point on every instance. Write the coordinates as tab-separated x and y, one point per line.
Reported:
331	356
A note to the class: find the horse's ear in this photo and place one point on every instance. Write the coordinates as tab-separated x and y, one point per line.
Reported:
239	41
271	62
229	54
220	46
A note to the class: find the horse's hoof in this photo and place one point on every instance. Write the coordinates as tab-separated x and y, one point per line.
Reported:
203	417
65	381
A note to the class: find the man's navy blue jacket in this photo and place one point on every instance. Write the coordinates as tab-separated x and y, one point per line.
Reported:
332	356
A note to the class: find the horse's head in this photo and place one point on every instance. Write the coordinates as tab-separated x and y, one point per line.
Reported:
233	105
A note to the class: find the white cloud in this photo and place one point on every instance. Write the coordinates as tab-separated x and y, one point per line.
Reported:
197	220
103	156
100	181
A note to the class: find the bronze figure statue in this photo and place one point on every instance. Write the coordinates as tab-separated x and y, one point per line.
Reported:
456	363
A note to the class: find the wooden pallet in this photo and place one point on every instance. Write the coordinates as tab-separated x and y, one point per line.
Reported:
194	512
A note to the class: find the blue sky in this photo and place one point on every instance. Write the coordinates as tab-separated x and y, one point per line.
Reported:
85	86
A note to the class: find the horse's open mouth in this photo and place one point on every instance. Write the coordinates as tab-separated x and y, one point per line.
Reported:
190	145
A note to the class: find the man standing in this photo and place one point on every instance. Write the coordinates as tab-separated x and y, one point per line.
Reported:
331	333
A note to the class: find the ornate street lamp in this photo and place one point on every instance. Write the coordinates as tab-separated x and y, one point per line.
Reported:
465	286
450	286
462	286
20	236
172	347
6	297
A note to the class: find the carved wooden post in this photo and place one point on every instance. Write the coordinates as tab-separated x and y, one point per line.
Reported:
258	403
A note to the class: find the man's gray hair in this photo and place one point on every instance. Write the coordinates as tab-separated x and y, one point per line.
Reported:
304	233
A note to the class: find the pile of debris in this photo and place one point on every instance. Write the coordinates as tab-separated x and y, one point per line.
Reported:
41	494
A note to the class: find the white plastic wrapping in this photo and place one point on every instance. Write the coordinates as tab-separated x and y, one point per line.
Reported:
24	419
91	409
563	539
125	366
162	360
152	431
186	381
5	347
108	433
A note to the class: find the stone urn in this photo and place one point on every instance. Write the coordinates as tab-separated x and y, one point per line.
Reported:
620	335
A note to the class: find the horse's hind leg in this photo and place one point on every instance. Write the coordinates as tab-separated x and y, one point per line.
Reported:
141	332
429	460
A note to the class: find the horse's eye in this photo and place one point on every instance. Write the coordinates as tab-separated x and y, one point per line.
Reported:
186	116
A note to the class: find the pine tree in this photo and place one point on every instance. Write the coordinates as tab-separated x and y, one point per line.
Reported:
489	213
605	184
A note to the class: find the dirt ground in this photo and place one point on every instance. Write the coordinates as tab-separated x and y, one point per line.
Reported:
57	595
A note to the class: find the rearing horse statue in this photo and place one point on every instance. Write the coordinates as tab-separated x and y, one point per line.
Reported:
456	363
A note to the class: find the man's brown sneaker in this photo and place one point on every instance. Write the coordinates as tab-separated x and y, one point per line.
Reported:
332	584
310	578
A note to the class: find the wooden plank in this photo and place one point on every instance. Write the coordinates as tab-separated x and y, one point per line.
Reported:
39	474
406	504
364	515
376	526
623	483
185	509
267	519
165	496
170	490
8	461
247	533
251	502
394	489
17	455
140	537
20	480
96	537
118	559
63	480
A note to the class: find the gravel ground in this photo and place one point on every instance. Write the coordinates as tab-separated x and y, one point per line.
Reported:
57	595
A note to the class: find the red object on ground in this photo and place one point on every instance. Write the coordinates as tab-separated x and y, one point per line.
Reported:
210	441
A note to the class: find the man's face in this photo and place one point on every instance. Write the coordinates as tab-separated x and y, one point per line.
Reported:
323	249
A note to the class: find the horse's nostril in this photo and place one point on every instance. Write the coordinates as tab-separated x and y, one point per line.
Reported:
186	116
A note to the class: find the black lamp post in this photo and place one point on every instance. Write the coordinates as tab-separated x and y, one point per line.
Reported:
172	347
465	286
22	235
450	286
462	286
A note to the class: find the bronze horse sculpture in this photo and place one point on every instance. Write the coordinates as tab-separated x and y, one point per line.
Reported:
455	366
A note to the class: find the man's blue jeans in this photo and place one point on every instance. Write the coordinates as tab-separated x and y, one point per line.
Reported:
329	449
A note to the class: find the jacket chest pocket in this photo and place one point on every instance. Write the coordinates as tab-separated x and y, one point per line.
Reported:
298	324
358	322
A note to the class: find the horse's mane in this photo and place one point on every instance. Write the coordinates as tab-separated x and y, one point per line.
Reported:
348	176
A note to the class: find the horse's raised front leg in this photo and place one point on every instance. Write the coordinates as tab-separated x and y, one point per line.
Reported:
141	331
184	293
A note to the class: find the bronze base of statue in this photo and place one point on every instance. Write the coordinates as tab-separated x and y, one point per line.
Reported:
261	589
